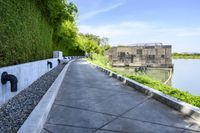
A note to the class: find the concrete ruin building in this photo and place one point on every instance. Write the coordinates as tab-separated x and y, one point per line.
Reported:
150	55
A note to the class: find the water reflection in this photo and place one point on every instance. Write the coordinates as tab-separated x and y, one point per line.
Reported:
160	74
185	76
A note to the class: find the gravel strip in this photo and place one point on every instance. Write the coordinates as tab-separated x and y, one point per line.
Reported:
16	110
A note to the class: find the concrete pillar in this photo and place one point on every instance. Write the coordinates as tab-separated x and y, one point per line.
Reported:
58	54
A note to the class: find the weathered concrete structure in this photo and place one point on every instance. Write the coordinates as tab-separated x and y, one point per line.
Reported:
152	55
26	74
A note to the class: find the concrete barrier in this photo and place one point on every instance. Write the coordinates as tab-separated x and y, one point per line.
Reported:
26	74
172	102
34	123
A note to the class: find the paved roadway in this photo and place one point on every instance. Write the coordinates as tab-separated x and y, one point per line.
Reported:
91	102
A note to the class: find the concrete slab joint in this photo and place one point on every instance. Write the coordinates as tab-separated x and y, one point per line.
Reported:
174	103
38	116
90	101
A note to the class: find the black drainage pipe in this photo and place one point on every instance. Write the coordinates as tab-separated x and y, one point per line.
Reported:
59	61
50	63
5	77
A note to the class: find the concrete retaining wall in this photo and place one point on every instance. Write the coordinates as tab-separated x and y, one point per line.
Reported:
178	105
34	123
26	74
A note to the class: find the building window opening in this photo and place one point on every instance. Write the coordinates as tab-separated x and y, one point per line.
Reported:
162	56
139	51
151	57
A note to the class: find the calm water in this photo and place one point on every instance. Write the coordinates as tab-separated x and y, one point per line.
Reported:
186	75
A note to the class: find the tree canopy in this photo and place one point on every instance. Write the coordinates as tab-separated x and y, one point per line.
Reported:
61	15
32	29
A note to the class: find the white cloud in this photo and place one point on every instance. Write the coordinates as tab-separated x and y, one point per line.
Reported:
130	32
98	11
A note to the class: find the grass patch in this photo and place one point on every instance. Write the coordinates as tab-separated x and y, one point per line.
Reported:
176	93
181	95
185	56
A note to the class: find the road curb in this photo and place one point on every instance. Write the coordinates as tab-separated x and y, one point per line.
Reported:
34	123
172	102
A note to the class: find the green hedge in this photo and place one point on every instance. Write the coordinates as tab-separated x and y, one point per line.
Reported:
25	35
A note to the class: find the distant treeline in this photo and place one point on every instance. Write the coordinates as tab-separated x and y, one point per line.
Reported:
186	56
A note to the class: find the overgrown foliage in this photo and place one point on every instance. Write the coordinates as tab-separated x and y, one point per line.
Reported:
186	56
31	30
61	15
65	39
100	60
25	35
88	45
57	11
181	95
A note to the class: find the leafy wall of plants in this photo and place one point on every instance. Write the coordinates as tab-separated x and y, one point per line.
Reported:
25	34
31	29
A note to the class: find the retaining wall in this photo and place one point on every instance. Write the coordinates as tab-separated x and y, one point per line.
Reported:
26	74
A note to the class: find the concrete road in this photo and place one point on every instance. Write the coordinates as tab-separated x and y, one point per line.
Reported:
91	102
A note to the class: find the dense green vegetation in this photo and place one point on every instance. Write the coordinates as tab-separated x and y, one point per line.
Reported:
185	56
31	29
24	34
183	96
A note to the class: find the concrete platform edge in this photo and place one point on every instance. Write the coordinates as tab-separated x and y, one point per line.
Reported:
34	123
172	102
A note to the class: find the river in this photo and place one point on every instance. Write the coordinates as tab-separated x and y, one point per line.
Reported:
185	76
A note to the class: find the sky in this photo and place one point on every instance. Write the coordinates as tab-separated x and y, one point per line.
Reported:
126	22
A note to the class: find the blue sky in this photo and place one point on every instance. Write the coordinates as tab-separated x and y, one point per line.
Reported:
124	22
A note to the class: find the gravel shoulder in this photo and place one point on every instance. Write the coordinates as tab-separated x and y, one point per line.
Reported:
16	110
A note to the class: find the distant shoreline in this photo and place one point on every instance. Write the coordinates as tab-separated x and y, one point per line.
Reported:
185	56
